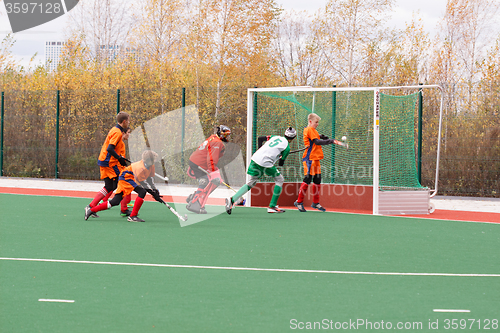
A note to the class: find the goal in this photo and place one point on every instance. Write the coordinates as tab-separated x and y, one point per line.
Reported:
379	170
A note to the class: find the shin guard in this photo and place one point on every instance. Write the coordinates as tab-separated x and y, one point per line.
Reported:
102	206
137	205
100	195
125	202
302	192
316	190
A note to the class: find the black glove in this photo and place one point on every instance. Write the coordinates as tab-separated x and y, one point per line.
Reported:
281	162
122	160
323	137
156	195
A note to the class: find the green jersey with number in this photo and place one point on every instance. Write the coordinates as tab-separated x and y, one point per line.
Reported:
271	151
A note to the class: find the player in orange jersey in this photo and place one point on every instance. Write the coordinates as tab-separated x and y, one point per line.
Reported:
203	167
137	177
111	160
311	161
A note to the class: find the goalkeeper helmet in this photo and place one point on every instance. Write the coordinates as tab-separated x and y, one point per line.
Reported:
290	133
223	132
149	157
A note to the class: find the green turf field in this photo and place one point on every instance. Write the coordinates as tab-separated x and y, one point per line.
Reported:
246	272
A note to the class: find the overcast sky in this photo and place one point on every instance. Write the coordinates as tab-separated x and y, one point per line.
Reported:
32	41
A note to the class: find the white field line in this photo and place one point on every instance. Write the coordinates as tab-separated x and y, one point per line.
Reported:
451	311
250	268
56	300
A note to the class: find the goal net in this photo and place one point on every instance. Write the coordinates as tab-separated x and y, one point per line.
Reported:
379	126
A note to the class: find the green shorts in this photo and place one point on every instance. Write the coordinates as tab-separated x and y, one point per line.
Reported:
258	171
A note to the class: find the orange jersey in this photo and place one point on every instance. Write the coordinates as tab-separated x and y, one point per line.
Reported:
132	176
208	153
314	152
114	138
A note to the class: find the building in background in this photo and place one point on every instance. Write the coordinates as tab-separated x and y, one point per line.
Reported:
111	53
53	50
107	53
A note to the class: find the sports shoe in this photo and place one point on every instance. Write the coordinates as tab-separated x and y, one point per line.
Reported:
275	209
125	213
134	219
318	207
92	214
229	205
88	212
194	208
300	206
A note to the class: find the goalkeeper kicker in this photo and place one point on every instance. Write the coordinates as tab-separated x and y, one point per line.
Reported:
263	160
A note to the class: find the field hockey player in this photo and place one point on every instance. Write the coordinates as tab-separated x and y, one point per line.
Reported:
262	162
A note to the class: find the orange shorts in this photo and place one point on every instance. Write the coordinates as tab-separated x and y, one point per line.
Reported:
125	186
314	168
110	172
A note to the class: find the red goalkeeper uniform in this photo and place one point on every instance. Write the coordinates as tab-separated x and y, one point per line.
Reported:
205	157
208	153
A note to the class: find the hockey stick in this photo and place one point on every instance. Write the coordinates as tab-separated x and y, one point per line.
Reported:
157	175
205	171
298	150
183	218
160	200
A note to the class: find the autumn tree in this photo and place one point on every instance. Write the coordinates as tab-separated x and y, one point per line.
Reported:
103	25
400	60
463	40
6	58
228	44
297	56
346	30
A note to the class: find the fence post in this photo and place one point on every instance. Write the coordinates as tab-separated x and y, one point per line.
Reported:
334	118
117	101
254	125
57	133
183	129
419	146
1	134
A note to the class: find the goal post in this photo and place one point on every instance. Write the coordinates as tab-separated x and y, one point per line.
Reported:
378	172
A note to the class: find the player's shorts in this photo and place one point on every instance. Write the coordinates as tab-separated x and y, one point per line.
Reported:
126	186
258	171
110	172
312	167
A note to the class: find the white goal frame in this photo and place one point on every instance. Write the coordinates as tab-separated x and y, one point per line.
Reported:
377	210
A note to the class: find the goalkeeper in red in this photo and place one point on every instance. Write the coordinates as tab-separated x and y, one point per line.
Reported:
262	162
203	167
137	177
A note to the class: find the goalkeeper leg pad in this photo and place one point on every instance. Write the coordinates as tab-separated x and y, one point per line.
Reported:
196	208
199	199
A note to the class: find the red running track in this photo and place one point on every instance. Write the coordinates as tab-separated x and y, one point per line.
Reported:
439	214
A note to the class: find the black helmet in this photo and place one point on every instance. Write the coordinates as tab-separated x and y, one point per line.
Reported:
223	132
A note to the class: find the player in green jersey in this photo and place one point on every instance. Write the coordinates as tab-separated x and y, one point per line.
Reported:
263	163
